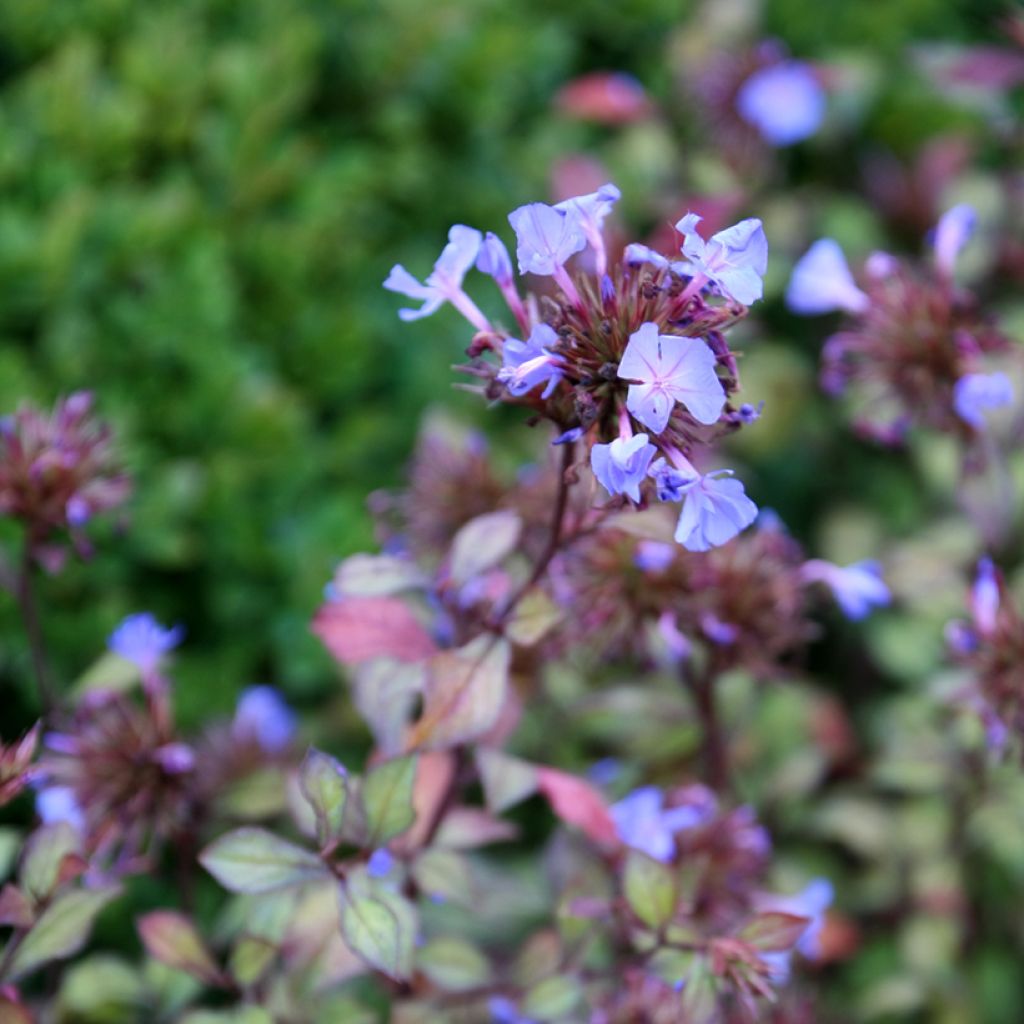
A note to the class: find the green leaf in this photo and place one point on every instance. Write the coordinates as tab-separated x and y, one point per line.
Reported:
533	618
254	860
61	930
482	543
378	924
385	692
444	874
376	576
387	798
650	888
465	693
44	856
454	965
699	1002
552	999
102	989
324	783
250	959
506	780
172	939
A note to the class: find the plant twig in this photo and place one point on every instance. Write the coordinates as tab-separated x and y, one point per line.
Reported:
25	593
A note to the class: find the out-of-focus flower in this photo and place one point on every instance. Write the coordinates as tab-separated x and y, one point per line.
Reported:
609	97
974	394
715	509
262	717
445	281
528	364
984	600
784	102
58	803
857	588
734	259
380	863
546	237
141	640
621	467
822	283
644	823
952	233
493	259
653	555
665	369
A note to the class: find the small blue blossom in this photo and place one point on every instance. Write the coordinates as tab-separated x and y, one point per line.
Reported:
667	369
528	364
671	484
643	822
734	259
952	233
784	102
677	644
504	1011
445	281
546	237
857	588
590	212
380	863
77	510
141	640
748	413
59	803
653	556
717	631
715	509
822	283
570	436
493	259
621	466
975	393
605	771
984	599
262	716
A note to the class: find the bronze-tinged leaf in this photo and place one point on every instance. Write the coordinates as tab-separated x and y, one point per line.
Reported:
172	939
360	628
578	803
774	931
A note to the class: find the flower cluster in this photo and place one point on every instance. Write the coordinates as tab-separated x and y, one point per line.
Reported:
57	471
631	359
916	347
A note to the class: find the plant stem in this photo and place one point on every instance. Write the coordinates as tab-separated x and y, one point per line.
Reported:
714	751
25	593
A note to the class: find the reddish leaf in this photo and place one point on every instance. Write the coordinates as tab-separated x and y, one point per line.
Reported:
172	939
578	803
15	909
606	96
434	773
774	932
360	628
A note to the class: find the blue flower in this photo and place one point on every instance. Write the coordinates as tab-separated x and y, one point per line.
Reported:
734	259
644	824
975	393
637	255
984	599
784	102
493	259
380	863
715	509
822	283
668	369
445	281
528	364
653	556
141	640
670	483
504	1011
952	233
546	237
857	588
590	211
262	716
621	466
59	803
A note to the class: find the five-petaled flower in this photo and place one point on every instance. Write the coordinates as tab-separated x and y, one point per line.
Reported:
734	259
546	237
784	102
621	466
715	509
644	823
141	640
822	283
665	369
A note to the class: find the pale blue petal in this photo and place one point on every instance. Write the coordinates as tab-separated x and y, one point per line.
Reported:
821	282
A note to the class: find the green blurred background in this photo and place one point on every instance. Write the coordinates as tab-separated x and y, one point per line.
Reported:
199	200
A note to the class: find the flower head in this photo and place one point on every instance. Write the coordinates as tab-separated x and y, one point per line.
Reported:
784	102
857	588
734	259
142	640
264	718
821	282
974	394
528	364
445	281
667	369
715	509
621	466
546	237
952	233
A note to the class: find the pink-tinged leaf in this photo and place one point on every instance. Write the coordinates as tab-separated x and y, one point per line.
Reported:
605	96
578	803
15	909
360	628
465	828
435	770
172	939
774	932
